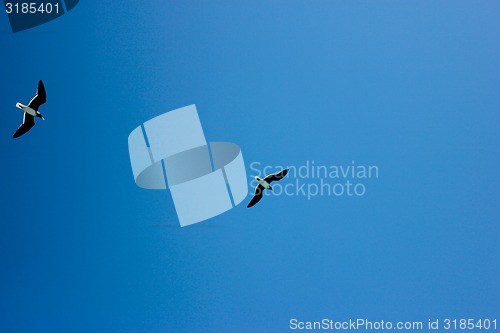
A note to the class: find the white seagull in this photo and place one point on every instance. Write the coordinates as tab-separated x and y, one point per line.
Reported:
265	184
31	111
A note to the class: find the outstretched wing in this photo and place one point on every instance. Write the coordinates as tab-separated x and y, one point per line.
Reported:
28	123
276	176
40	98
257	196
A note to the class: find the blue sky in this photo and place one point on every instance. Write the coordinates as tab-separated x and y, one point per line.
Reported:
411	87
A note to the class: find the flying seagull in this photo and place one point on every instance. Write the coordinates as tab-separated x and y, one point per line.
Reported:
265	184
31	111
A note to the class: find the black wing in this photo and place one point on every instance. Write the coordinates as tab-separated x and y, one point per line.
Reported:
28	123
257	196
40	98
276	176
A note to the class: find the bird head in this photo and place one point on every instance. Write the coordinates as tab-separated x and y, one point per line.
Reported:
39	115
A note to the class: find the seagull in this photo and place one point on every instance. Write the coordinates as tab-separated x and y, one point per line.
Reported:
265	184
31	111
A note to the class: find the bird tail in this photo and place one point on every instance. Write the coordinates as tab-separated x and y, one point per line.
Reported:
21	106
